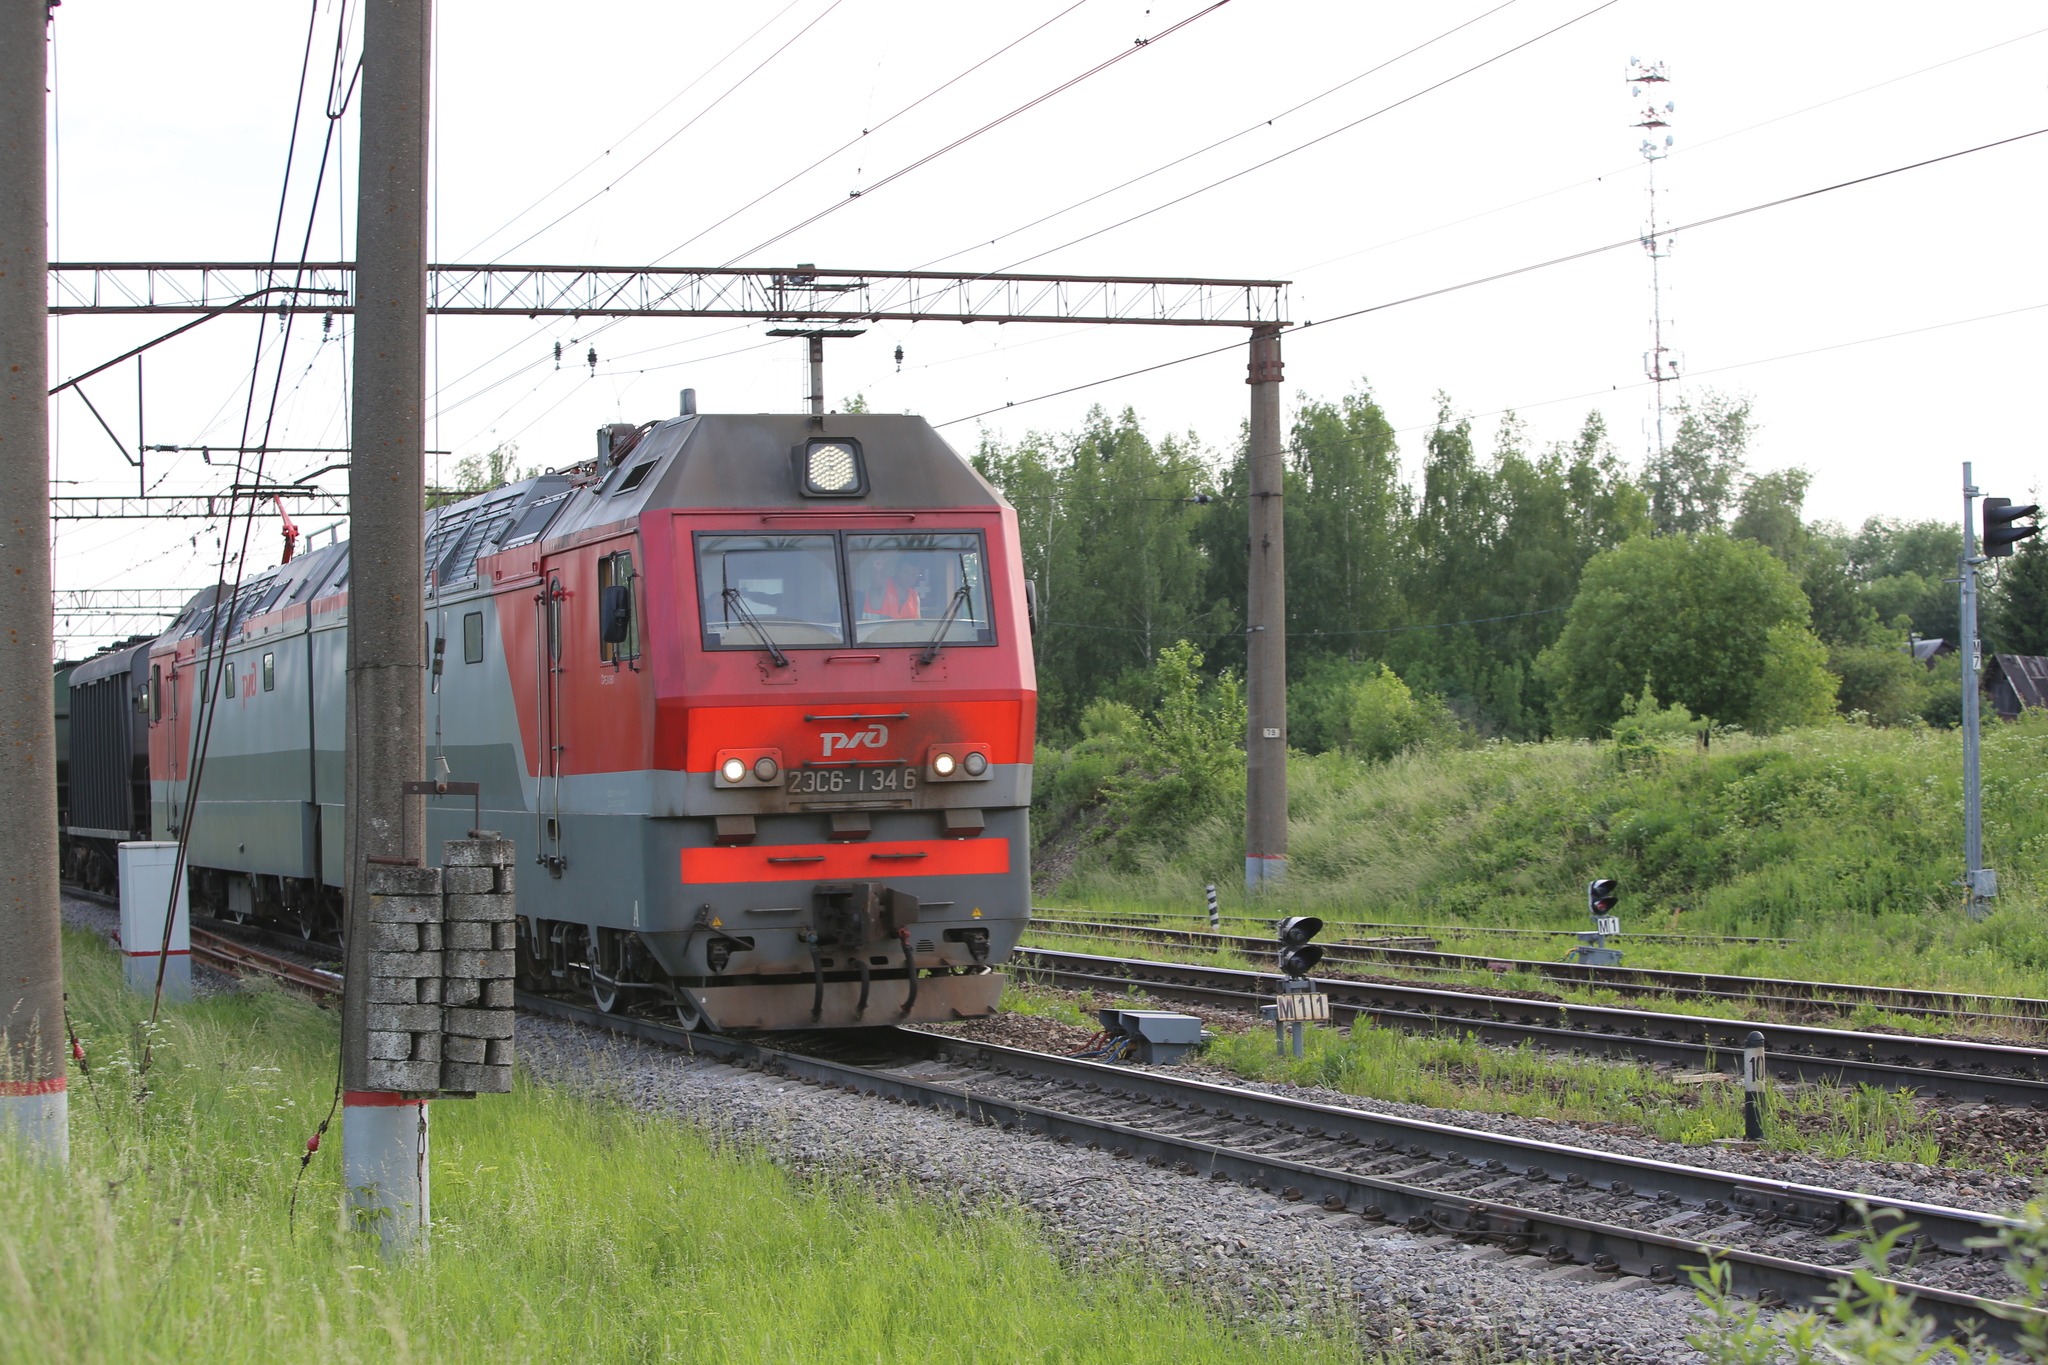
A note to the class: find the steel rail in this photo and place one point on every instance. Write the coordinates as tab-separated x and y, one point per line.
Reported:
1947	1068
240	959
1443	1150
1679	985
1407	930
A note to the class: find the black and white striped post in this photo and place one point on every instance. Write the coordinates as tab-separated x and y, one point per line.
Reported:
1753	1087
1215	916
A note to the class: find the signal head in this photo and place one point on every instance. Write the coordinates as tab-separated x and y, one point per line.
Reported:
1299	929
1601	895
2000	535
1300	959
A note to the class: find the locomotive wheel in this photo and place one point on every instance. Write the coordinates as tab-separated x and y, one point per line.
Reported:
687	1014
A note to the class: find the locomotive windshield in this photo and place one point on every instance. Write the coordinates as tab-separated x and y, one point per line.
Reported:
914	589
797	591
784	586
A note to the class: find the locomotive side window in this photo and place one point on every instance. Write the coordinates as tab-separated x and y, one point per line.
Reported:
473	638
618	627
156	691
915	588
757	589
270	673
227	680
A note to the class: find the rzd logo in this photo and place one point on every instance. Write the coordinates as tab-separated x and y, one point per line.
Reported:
874	737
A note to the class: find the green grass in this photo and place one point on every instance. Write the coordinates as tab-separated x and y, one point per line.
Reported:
1843	837
1459	1073
568	1228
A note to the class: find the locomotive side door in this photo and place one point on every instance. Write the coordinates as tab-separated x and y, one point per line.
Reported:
548	605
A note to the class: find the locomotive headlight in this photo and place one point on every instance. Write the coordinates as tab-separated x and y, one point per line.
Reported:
765	769
733	770
943	765
976	763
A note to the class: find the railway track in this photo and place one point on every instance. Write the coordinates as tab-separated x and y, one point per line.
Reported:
1147	919
1944	1068
240	959
1770	992
1569	1206
1618	1215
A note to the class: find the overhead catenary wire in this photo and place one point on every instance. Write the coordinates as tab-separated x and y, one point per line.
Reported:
1223	141
1690	148
1510	274
929	157
997	122
701	77
690	123
872	129
1325	137
218	632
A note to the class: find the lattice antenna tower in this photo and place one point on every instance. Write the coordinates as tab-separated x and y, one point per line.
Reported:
1649	82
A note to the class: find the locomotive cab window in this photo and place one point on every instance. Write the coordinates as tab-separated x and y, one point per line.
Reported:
915	589
618	628
473	638
758	589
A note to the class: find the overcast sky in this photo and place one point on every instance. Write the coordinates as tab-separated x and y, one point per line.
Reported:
561	137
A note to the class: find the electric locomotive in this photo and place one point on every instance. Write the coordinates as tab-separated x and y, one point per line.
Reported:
754	695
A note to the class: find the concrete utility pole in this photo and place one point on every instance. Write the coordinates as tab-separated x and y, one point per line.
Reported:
1265	825
384	1132
32	1104
1981	881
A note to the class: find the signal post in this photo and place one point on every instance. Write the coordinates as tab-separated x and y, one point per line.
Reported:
32	1101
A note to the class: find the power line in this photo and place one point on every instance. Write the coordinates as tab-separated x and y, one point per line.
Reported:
1509	274
875	128
1238	175
1245	132
702	76
677	133
1695	147
963	140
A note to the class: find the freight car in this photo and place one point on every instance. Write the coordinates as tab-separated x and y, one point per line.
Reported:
753	694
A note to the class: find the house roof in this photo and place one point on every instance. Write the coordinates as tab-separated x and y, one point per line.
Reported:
2027	674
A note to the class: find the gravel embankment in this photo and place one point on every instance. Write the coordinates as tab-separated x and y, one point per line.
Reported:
1242	1252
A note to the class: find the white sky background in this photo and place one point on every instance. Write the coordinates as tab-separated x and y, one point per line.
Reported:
171	131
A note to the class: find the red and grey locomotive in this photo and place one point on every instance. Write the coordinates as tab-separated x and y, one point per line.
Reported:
753	694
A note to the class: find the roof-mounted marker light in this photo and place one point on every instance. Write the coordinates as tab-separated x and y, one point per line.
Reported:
831	469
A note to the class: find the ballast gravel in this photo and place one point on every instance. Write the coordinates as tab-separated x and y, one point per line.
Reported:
1244	1253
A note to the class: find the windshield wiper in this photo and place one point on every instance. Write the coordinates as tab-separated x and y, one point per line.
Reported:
738	607
931	651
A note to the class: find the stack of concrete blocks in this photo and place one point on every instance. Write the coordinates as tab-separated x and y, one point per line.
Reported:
405	978
441	949
476	955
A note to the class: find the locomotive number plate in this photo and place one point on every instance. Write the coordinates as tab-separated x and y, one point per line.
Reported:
851	783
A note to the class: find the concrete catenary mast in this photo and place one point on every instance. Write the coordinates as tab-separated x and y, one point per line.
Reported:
32	1101
384	1132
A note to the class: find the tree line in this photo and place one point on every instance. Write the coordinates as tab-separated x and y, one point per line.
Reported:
1518	591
